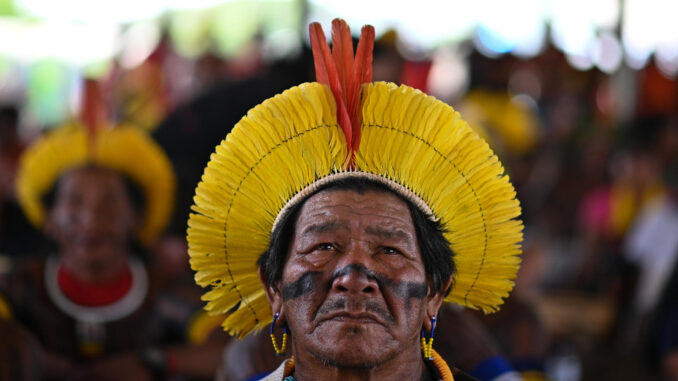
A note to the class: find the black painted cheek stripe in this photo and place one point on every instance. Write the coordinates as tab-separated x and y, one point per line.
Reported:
307	282
300	287
405	290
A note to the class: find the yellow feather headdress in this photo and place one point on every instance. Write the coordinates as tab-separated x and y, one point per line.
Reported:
124	149
291	142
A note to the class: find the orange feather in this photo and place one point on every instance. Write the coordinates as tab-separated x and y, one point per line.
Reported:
362	74
344	73
93	114
363	55
317	40
342	52
326	72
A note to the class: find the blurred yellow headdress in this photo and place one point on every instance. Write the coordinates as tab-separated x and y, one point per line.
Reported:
124	149
345	126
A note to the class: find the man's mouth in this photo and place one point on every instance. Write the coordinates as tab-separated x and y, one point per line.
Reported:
91	241
352	310
350	317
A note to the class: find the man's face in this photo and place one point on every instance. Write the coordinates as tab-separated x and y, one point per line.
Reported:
92	218
353	289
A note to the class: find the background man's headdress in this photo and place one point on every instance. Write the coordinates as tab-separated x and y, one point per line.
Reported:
124	149
345	126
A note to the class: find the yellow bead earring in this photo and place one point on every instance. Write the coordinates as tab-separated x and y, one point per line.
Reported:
278	350
427	344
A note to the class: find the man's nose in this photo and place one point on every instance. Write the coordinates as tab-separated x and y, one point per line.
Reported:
353	274
92	217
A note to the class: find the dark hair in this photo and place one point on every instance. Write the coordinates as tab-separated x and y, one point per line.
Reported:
434	247
9	116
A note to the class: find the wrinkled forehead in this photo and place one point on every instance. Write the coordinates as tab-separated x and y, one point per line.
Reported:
95	182
355	210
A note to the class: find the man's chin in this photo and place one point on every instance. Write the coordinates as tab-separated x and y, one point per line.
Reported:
354	346
96	253
352	358
97	260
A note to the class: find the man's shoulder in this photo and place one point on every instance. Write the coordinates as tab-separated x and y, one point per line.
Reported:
15	273
20	282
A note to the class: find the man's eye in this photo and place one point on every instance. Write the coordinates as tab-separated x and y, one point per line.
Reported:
390	250
324	247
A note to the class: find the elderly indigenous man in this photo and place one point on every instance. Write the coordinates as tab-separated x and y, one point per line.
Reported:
92	309
372	205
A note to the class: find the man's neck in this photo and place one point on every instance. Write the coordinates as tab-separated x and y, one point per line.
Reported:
408	365
96	272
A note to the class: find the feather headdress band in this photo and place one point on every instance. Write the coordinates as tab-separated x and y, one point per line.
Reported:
344	126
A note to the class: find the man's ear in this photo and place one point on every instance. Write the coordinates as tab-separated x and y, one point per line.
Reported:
434	301
273	293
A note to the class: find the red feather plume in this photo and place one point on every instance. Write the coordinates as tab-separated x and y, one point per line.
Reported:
93	114
344	73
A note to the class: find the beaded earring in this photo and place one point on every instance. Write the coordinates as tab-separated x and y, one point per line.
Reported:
278	350
427	344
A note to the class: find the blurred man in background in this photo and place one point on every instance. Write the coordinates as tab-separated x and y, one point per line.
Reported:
92	308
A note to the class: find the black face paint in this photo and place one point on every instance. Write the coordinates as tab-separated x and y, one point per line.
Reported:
405	290
411	290
307	282
302	286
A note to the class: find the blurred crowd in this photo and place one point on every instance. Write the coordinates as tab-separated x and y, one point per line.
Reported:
593	157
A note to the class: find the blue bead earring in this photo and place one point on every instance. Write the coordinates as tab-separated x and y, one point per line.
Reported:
278	350
427	344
